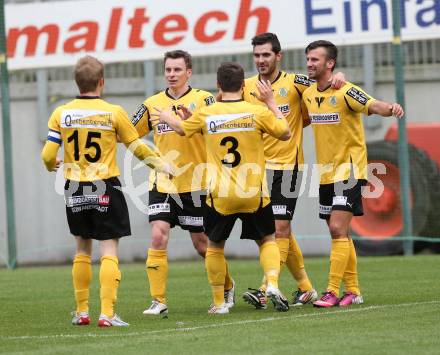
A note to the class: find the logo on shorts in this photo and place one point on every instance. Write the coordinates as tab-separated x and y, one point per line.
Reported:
158	208
190	221
103	200
323	209
279	209
340	200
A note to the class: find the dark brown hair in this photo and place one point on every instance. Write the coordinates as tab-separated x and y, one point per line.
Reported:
330	49
230	76
179	54
267	37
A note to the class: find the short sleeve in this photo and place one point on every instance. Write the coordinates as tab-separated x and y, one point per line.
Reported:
124	128
208	99
356	99
141	120
301	83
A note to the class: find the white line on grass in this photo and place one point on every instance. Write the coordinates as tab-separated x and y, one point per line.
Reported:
215	325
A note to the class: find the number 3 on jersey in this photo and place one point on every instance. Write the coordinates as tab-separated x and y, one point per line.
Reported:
232	149
89	144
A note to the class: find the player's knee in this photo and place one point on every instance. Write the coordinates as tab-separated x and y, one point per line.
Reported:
159	237
200	244
282	229
337	229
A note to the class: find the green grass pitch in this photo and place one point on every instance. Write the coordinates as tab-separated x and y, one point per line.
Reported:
401	314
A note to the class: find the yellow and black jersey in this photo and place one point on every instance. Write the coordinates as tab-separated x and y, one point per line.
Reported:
186	155
233	132
288	89
339	134
89	129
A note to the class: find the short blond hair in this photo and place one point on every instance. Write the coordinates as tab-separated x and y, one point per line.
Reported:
88	72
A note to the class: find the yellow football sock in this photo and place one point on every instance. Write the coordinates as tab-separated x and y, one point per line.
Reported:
283	246
338	263
350	277
157	272
82	276
295	264
109	277
228	278
270	261
216	269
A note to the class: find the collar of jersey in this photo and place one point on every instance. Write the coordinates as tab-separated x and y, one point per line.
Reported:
185	93
328	87
87	97
276	79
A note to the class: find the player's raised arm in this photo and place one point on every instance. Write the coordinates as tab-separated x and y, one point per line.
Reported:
266	95
385	109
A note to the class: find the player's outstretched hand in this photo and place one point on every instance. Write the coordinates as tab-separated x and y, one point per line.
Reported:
58	163
161	115
265	91
396	110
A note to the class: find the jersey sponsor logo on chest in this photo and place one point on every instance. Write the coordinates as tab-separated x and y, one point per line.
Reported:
163	128
324	118
285	109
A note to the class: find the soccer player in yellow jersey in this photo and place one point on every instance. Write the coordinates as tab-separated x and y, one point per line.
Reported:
233	131
89	128
176	201
341	152
284	160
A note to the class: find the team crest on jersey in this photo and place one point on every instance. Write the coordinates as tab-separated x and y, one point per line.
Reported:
282	92
192	106
333	101
302	80
358	95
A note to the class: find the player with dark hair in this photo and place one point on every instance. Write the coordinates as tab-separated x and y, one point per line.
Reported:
284	160
341	152
233	131
179	201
